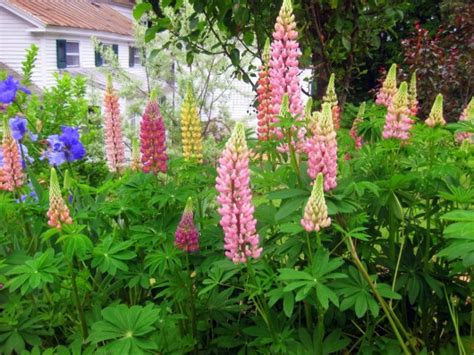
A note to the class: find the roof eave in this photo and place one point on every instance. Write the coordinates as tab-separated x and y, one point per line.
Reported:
22	14
83	33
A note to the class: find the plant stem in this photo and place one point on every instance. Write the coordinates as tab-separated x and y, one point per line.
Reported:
426	257
193	309
79	308
381	301
294	161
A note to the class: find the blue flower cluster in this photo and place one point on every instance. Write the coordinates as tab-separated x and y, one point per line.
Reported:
65	147
18	127
9	88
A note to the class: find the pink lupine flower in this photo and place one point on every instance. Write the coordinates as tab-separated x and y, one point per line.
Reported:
264	97
58	212
436	115
466	115
322	148
187	236
285	53
316	211
235	200
412	96
353	132
398	123
153	139
11	172
114	146
389	88
331	98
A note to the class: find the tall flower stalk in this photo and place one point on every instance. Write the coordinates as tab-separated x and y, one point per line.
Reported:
11	170
322	148
114	145
389	88
331	98
412	95
264	97
316	212
235	200
436	115
153	139
398	123
466	115
135	163
58	212
355	125
284	61
191	135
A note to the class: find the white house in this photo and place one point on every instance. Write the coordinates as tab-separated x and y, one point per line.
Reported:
63	31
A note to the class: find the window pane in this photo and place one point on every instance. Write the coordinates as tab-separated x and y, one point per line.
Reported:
72	47
72	60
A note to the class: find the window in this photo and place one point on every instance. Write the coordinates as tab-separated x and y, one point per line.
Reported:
134	56
67	53
99	60
72	54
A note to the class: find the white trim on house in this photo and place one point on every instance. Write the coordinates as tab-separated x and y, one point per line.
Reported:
82	33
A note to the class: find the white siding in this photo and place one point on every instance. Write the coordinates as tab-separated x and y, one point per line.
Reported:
15	40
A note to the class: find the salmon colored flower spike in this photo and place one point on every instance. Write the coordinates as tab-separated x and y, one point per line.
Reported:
321	148
331	98
153	139
135	163
398	122
284	64
412	95
389	88
191	135
316	211
11	171
264	97
353	132
58	212
235	200
466	115
114	145
187	235
436	115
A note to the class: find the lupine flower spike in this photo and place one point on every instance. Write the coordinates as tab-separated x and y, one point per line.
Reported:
114	145
436	115
353	132
316	211
187	236
389	88
285	53
398	123
58	212
466	115
235	200
11	170
191	136
331	98
153	139
135	163
322	148
264	97
412	96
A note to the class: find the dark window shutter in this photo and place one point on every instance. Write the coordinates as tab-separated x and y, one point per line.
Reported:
115	49
98	59
131	57
61	53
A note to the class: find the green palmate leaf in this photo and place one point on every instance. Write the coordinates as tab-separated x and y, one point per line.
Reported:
75	245
126	330
287	193
109	256
288	304
140	9
289	207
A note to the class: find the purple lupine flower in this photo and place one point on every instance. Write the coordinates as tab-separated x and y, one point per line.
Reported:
9	88
65	147
187	235
18	127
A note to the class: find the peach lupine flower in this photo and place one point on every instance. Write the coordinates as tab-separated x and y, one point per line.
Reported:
11	171
412	95
436	115
114	145
316	211
321	148
398	122
331	98
135	163
353	132
235	200
389	88
264	97
466	115
58	212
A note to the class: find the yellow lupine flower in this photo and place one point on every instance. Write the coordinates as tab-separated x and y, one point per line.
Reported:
191	134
